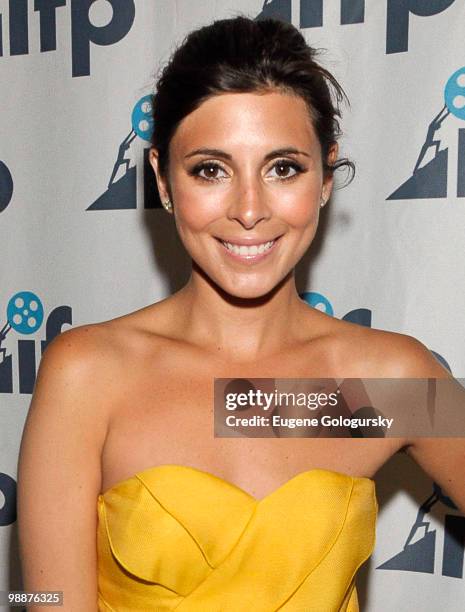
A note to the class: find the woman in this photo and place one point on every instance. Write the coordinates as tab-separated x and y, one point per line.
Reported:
244	153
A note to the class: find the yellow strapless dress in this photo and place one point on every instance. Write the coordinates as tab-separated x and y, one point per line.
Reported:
178	538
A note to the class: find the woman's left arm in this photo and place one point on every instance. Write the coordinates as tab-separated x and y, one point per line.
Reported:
443	459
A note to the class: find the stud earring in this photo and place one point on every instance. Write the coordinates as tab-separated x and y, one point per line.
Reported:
168	206
322	201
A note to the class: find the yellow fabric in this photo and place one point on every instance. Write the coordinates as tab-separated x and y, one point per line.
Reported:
177	538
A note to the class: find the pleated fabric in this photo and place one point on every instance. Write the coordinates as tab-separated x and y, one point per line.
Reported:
175	537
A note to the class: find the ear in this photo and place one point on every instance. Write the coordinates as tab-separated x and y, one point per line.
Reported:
162	183
329	179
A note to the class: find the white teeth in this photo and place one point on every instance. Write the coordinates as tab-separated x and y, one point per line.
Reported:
249	250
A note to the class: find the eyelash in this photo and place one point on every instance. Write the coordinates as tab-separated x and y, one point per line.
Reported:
279	162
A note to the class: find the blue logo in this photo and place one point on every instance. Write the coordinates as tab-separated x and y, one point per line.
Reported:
362	316
429	178
25	312
318	301
141	118
121	190
454	94
25	316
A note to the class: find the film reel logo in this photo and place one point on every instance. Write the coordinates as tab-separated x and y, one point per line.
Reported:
25	315
429	178
121	192
362	316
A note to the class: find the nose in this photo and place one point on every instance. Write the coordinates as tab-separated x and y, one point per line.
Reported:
249	203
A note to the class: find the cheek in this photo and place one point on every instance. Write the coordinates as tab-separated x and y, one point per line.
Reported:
196	207
298	202
298	210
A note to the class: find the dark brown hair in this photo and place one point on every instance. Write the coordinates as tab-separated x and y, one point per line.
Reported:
241	55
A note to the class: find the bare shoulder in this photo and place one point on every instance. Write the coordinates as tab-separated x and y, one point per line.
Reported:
84	346
376	353
97	350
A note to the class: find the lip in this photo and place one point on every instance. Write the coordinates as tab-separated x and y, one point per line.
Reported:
249	258
249	241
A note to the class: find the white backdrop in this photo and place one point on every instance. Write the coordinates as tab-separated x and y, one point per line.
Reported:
87	252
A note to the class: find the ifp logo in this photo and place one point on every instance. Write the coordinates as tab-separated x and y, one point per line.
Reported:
352	12
430	173
25	315
83	30
121	191
420	548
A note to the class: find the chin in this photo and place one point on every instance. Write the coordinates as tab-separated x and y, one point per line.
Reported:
248	291
247	285
247	294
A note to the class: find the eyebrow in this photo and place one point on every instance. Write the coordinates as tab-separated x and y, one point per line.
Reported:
268	156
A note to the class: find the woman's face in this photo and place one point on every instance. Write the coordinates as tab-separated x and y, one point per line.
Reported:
246	181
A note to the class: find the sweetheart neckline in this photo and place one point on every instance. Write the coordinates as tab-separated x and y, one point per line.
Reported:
228	482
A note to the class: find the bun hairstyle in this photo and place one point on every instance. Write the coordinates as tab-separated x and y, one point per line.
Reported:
242	55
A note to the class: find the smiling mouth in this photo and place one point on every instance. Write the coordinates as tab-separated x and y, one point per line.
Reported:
252	252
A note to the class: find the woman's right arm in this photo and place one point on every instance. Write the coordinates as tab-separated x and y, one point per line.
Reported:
59	471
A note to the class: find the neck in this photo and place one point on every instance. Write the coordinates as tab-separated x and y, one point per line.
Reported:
240	329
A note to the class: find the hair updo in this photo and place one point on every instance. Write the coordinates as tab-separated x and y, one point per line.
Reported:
241	55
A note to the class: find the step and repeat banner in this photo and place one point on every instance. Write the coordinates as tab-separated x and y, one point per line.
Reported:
84	238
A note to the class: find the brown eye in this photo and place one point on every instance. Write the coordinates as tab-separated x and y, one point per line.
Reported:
282	169
285	169
209	171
